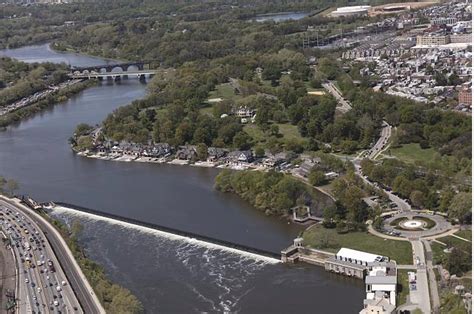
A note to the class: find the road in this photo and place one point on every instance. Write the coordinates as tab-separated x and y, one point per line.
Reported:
381	143
38	289
420	296
42	284
372	153
344	105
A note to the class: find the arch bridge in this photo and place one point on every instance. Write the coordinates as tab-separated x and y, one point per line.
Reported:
114	71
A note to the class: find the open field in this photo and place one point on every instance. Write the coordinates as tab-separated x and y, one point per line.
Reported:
363	241
288	132
224	91
412	153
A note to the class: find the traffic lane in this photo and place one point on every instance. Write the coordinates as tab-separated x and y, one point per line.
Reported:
19	210
52	256
67	266
86	297
37	298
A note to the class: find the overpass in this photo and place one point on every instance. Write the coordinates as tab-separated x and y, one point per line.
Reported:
222	244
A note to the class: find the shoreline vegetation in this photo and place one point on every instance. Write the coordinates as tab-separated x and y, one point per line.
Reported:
49	101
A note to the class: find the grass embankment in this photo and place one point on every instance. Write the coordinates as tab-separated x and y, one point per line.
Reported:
403	288
413	153
114	298
329	240
451	242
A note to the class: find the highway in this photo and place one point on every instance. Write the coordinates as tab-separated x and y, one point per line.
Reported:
49	278
374	152
345	106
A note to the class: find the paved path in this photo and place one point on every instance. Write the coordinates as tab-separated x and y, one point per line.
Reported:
432	277
421	295
460	238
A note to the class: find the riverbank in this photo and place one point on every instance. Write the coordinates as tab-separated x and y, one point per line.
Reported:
113	297
240	166
33	104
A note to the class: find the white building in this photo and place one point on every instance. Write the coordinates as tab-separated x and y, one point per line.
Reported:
352	263
381	288
351	11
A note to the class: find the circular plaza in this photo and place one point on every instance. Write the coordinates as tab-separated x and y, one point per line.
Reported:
410	224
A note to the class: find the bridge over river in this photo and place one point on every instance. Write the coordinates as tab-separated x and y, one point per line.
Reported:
114	71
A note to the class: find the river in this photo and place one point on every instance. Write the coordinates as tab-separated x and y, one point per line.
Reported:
167	275
280	17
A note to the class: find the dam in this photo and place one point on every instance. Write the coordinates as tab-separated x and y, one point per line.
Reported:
171	233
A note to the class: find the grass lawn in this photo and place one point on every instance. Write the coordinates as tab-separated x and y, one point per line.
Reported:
412	153
225	91
466	234
363	241
206	111
290	132
437	248
255	132
438	253
402	286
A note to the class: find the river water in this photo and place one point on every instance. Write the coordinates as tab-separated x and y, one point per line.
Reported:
167	275
282	16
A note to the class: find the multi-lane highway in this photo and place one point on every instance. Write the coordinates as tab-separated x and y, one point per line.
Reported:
48	277
344	105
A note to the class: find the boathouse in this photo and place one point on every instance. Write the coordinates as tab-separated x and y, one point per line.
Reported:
352	263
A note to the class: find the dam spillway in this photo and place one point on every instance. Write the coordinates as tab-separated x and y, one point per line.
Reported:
172	233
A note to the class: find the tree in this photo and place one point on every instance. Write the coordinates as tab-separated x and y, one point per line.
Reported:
82	129
274	130
201	151
316	177
242	141
457	262
12	186
417	198
461	206
259	152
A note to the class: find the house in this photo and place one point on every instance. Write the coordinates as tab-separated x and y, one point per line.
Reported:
187	152
215	153
244	112
273	161
381	288
244	156
305	168
157	150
